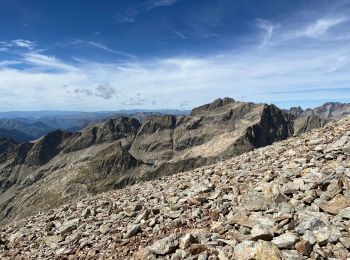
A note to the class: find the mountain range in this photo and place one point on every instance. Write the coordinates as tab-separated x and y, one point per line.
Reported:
288	200
31	125
61	166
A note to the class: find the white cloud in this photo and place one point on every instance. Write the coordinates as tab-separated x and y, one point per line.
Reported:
105	91
320	27
280	72
254	75
23	44
268	28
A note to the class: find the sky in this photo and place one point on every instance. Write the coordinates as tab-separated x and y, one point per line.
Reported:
90	55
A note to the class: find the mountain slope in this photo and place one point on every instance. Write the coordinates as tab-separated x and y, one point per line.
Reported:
289	200
61	167
15	135
34	129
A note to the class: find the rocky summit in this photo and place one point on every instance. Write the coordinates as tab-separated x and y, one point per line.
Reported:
290	200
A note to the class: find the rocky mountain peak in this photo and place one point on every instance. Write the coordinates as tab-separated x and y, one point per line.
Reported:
295	111
216	104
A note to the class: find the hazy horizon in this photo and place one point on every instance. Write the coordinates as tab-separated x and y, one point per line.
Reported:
130	110
172	54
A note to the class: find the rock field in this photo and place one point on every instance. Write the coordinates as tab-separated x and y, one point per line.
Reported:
290	200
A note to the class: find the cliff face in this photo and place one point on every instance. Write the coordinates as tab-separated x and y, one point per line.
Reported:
61	167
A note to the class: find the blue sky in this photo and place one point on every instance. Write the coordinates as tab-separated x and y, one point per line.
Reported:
109	55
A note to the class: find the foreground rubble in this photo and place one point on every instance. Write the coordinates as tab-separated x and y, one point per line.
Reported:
290	200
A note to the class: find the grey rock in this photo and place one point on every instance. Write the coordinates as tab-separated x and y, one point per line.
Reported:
263	232
165	246
254	201
132	230
285	241
69	226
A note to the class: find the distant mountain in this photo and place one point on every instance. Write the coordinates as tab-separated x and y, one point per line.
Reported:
39	123
34	130
15	135
305	120
329	110
332	110
84	115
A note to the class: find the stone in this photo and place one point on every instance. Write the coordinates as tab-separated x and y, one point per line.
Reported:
133	230
179	255
309	237
290	255
69	226
86	212
143	215
344	213
254	201
328	234
285	241
345	241
259	250
187	240
142	254
263	232
303	247
310	223
104	229
335	205
240	218
165	246
196	249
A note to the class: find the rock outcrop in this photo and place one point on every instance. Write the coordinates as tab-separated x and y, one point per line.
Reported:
290	200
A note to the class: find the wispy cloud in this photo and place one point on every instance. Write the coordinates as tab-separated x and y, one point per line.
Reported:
318	28
24	44
179	34
257	75
105	48
136	101
83	92
19	43
129	15
304	60
268	29
43	61
98	46
158	3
